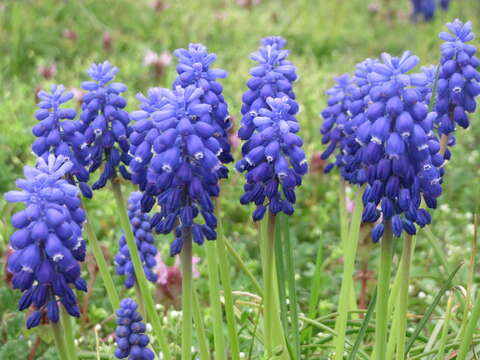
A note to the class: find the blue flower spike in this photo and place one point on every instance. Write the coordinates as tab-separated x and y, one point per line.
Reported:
58	133
458	80
47	243
131	339
142	230
272	155
105	124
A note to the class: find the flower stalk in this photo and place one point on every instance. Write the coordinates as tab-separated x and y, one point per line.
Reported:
187	294
139	272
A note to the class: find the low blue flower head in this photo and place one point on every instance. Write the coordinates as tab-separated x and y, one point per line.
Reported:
194	69
272	77
458	78
142	230
336	117
105	124
177	148
273	158
399	150
58	134
130	334
48	242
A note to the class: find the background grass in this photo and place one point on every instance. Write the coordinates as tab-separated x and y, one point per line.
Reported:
326	38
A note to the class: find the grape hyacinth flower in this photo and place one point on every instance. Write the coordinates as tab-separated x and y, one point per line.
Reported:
349	159
58	134
48	242
430	73
273	157
177	146
272	77
336	116
458	79
130	334
105	124
194	69
399	149
141	228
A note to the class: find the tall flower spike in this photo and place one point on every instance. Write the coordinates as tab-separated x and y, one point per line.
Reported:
130	334
58	134
273	157
399	150
142	230
48	242
458	78
336	117
177	146
194	69
105	124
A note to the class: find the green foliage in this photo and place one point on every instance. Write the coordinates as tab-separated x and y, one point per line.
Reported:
327	38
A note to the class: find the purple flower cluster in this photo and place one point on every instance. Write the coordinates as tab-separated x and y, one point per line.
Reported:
458	78
426	8
178	143
399	150
130	334
58	134
142	230
272	152
48	242
337	117
105	124
194	69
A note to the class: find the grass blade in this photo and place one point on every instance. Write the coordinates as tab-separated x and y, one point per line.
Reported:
363	329
431	308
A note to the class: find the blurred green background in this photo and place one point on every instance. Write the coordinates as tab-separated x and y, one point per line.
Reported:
46	42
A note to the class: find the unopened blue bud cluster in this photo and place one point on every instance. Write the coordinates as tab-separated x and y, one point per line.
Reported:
142	231
177	142
130	334
48	243
59	134
105	124
273	158
458	78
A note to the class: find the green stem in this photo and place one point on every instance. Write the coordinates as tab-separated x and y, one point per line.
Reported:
292	292
280	268
186	263
214	292
151	312
100	260
350	251
273	333
69	334
227	287
58	333
403	299
443	338
381	319
141	303
469	330
201	335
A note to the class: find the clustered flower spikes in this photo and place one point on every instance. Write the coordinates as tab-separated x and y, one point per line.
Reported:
105	124
337	116
48	243
194	69
130	334
458	78
142	230
399	149
272	153
177	148
58	134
